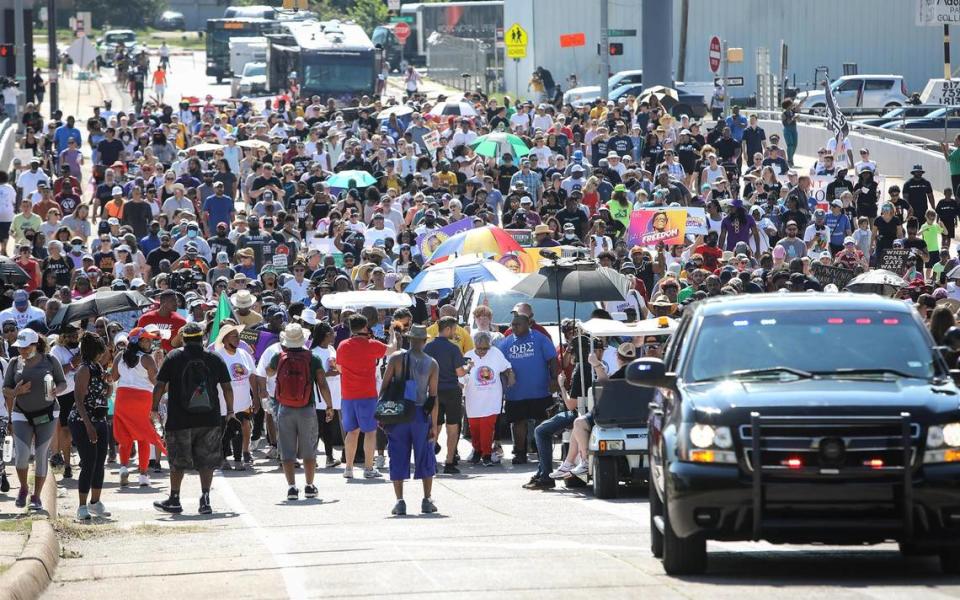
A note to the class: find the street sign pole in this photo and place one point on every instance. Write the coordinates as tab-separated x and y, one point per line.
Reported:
604	51
54	90
723	74
21	57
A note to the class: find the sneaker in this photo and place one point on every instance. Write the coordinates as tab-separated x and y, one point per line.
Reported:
486	461
561	472
97	509
310	491
112	458
247	458
239	465
474	458
226	466
272	453
170	505
399	509
67	472
427	506
379	461
124	476
540	484
56	460
450	470
519	460
293	493
83	514
581	469
155	465
35	503
21	500
4	483
372	473
348	473
331	463
456	458
144	480
205	508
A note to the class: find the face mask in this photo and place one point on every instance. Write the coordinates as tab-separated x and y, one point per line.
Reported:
31	354
191	233
433	301
77	248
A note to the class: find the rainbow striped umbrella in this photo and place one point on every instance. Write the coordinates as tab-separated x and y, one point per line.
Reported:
487	240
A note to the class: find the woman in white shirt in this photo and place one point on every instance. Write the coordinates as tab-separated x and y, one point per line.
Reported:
486	369
322	348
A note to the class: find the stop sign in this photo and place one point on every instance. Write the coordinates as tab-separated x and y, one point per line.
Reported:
402	31
715	51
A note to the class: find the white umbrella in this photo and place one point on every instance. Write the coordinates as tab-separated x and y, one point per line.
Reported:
254	144
207	147
399	110
611	328
378	299
452	108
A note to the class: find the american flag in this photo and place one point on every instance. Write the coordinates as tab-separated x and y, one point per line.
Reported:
836	122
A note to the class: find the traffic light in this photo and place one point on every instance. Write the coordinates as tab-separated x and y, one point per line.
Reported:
616	49
6	50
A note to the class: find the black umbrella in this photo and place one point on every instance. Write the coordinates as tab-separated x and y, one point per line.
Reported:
576	280
11	272
99	304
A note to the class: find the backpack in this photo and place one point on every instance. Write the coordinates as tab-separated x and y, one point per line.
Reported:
195	384
294	379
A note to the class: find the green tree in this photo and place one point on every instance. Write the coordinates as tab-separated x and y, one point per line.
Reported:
369	13
135	14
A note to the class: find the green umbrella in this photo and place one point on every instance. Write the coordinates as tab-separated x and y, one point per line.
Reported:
342	179
498	144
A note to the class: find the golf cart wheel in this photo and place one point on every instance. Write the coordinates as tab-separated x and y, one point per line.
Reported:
605	477
950	561
656	510
681	556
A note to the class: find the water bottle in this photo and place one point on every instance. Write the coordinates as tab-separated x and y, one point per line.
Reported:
7	449
48	385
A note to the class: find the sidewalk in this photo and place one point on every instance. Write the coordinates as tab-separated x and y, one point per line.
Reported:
432	89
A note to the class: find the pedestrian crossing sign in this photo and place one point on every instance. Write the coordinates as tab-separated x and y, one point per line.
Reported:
515	39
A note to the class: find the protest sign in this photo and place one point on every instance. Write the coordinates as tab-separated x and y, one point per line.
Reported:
894	260
524	237
650	226
826	275
696	221
429	242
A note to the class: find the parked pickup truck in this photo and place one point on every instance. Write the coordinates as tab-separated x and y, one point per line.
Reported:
802	419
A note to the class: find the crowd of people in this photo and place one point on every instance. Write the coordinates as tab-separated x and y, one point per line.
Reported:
224	215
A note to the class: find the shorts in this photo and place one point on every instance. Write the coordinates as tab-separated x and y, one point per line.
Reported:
933	259
451	407
297	432
411	437
195	448
523	410
66	405
5	230
359	414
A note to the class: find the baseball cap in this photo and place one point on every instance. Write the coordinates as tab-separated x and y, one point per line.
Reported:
26	337
20	297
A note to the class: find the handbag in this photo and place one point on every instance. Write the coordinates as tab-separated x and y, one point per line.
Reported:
393	407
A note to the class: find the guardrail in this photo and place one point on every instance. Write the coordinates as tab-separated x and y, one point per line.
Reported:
855	127
8	141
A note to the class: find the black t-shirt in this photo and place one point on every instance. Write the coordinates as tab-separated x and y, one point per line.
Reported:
261	182
575	216
622	144
726	148
221	244
753	137
172	373
109	151
915	191
158	254
62	267
886	232
948	211
138	216
867	201
505	174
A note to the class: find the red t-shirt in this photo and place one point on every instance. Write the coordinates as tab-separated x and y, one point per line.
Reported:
357	358
172	323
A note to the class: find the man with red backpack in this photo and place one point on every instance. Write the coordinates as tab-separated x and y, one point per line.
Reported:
299	374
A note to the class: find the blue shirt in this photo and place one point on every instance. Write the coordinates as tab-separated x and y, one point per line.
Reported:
838	225
219	209
63	134
736	125
529	356
449	359
149	243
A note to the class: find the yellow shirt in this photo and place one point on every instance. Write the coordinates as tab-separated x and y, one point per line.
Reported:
461	338
449	178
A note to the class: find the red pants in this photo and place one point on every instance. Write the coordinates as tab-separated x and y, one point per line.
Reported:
482	431
131	423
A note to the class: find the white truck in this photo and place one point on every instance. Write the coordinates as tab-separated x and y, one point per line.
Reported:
244	50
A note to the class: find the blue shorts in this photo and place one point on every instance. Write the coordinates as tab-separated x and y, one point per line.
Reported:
358	414
413	436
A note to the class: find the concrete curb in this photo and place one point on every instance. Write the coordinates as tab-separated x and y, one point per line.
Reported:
27	578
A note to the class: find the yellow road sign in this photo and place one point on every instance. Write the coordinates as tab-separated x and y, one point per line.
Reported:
515	39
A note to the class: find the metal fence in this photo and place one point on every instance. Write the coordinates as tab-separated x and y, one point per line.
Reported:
463	63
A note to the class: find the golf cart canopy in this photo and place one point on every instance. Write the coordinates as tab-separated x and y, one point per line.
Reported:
610	328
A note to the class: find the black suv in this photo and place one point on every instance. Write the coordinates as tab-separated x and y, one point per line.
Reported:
802	418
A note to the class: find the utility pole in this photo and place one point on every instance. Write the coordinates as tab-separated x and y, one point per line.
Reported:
21	53
604	50
53	55
723	78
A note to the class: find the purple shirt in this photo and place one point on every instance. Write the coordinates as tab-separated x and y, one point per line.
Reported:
735	232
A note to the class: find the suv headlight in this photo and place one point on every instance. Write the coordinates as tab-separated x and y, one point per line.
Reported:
710	444
943	444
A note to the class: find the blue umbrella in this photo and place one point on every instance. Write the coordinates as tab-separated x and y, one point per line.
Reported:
460	272
342	179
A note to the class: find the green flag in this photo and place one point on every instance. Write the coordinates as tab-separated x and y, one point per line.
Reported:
224	311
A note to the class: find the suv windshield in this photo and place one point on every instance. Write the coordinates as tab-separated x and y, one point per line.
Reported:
254	69
817	342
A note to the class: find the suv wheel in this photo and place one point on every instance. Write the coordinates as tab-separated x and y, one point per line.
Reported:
681	556
819	110
605	477
656	510
950	561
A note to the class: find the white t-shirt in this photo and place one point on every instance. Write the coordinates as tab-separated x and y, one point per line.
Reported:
8	200
327	356
483	392
240	365
22	318
265	358
840	158
823	244
298	291
65	355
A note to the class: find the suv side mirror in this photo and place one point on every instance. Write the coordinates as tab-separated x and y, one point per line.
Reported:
650	372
